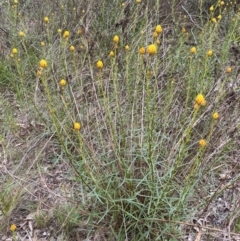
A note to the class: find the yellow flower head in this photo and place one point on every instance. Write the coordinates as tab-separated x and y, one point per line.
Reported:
222	3
200	100
214	20
99	64
62	82
138	1
215	115
15	1
116	39
126	47
21	34
155	34
72	48
202	143
196	106
76	126
46	19
43	63
211	8
42	44
111	54
13	227
209	53
66	34
142	50
158	29
219	17
229	70
59	30
152	49
184	30
14	51
193	50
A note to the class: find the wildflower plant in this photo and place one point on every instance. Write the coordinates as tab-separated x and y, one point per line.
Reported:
132	118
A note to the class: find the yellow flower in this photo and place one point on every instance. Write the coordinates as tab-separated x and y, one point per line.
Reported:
219	17
59	30
202	142
111	54
157	42
14	51
15	1
158	29
222	3
116	39
43	63
209	53
13	227
62	82
142	50
214	20
211	8
99	64
42	44
196	106
155	34
229	70
76	126
72	48
215	115
184	30
46	19
123	4
66	34
126	47
193	50
138	1
200	100
152	49
21	34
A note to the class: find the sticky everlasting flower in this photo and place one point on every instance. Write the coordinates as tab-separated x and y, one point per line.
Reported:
99	64
193	50
209	53
200	100
42	44
62	82
214	20
21	34
43	63
76	126
229	70
13	227
126	47
202	143
152	49
111	53
215	115
211	8
66	34
14	51
142	50
46	19
158	29
116	39
72	48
